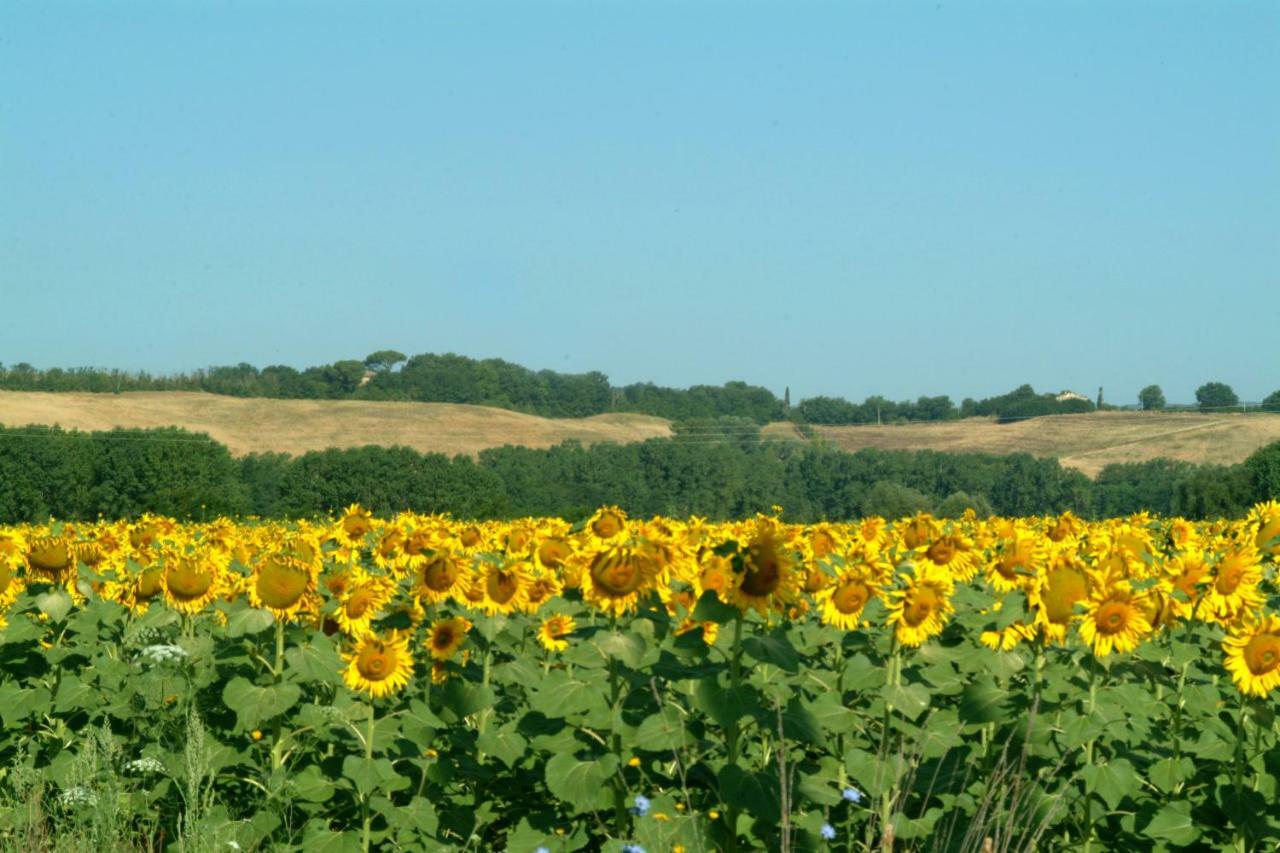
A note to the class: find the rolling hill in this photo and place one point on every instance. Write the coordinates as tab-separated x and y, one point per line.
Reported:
247	425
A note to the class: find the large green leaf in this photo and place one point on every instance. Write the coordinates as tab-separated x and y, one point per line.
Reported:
661	731
758	794
1173	824
579	783
254	704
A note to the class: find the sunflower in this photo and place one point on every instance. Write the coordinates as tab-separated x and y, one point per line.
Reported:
553	551
505	586
1253	655
1056	594
439	575
379	666
1115	621
1185	576
1007	639
191	581
1017	560
281	584
446	635
842	602
607	527
769	577
715	573
1234	589
52	559
1264	520
919	610
554	629
10	584
616	578
355	524
362	603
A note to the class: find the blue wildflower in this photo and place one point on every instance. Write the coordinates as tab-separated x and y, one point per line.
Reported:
853	795
541	850
828	831
641	808
632	848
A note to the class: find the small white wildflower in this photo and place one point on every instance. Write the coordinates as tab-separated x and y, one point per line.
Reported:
146	764
78	795
234	846
163	653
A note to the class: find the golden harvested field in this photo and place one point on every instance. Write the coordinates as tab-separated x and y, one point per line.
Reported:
257	425
247	425
1087	442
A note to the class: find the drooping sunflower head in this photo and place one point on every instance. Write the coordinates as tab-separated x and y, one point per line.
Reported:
553	551
363	602
553	631
355	524
445	636
1264	520
919	609
52	559
1056	595
379	666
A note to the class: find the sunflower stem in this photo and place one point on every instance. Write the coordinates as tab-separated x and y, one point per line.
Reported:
368	760
731	734
619	790
277	742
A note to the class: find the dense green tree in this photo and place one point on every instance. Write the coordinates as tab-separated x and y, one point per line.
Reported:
1151	398
1271	403
1215	396
383	360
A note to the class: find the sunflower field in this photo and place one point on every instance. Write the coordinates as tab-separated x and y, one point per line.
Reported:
425	683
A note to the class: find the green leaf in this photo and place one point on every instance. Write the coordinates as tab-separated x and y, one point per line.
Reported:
983	701
244	621
311	785
562	695
55	604
833	717
774	650
910	700
1168	773
625	647
661	732
314	661
711	609
459	700
1173	824
579	783
372	774
504	744
756	794
254	704
725	705
1112	781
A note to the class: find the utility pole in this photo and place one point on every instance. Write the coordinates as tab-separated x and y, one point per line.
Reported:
1099	397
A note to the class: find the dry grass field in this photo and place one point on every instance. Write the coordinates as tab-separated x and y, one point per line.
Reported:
1086	442
257	425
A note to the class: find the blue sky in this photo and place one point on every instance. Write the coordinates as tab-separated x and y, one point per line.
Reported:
848	199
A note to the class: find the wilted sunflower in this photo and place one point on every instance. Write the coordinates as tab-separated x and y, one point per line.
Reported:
379	666
554	629
1253	655
445	636
1116	621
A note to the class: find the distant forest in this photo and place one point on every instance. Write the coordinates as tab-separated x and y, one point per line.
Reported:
449	378
123	473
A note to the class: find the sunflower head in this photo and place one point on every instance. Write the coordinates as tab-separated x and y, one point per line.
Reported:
379	666
446	635
280	584
553	631
1253	655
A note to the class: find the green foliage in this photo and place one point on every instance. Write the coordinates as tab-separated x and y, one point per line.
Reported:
1213	396
1151	398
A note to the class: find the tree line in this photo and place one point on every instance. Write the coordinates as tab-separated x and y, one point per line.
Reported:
48	472
451	378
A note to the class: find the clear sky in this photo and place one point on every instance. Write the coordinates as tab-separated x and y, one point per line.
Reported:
855	198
